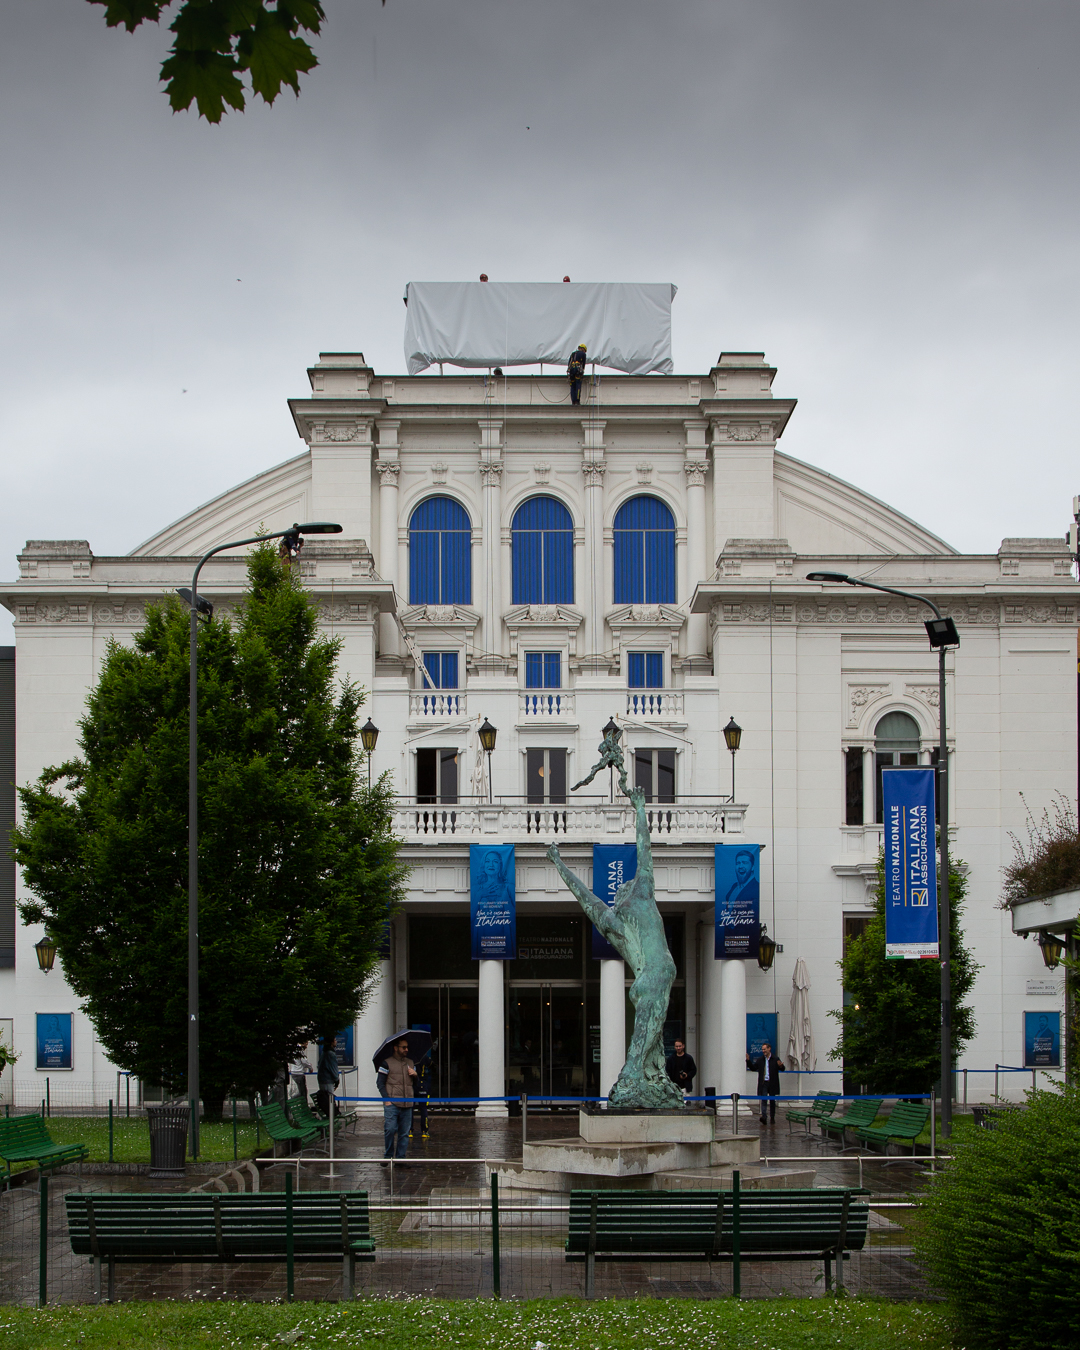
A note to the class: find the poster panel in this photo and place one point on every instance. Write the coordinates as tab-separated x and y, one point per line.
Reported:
492	908
1042	1040
738	901
613	865
760	1027
54	1040
343	1048
911	915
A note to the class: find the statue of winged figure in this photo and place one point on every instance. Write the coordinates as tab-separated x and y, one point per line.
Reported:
635	929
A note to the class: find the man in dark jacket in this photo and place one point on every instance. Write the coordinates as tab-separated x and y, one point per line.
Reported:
768	1069
681	1068
575	371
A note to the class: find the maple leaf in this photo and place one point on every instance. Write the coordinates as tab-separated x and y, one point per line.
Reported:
274	57
130	13
207	78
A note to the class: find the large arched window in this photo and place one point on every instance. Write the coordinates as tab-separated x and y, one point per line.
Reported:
542	553
896	742
644	553
440	554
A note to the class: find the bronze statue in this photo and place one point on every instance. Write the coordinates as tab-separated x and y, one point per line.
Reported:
635	929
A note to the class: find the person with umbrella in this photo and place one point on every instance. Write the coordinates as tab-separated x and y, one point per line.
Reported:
395	1078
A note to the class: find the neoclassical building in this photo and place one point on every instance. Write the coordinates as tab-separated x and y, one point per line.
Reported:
510	557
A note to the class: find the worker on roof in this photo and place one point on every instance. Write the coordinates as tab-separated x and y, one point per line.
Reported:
575	371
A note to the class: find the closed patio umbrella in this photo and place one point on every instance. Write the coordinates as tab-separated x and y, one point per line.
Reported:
802	1056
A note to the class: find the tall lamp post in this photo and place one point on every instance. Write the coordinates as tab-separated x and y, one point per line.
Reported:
487	734
369	734
733	739
199	606
942	634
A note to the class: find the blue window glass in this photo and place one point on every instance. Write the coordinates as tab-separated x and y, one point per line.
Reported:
644	553
645	670
442	669
543	670
440	554
542	553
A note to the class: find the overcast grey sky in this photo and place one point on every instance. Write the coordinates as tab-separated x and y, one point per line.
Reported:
880	194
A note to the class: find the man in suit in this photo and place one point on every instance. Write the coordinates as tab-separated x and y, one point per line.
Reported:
768	1069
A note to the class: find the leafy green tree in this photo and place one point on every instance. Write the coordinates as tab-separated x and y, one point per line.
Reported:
218	42
890	1029
298	868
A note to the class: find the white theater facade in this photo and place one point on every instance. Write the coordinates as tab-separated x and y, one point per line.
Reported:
642	556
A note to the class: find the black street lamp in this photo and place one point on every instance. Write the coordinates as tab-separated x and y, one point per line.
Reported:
942	634
291	542
46	953
369	734
733	737
766	949
487	734
1052	948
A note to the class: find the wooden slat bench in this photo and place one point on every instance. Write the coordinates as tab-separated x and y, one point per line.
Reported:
736	1226
164	1229
824	1104
304	1118
904	1125
25	1139
862	1112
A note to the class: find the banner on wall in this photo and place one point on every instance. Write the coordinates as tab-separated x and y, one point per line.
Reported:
760	1027
1042	1040
613	865
738	901
54	1040
491	890
343	1048
911	912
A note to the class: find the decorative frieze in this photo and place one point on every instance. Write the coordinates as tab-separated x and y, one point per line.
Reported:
930	694
860	695
338	433
1040	612
892	613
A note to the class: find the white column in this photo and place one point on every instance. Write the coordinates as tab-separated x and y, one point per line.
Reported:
732	1027
869	786
389	468
709	1030
374	1024
612	1023
591	599
695	466
489	598
492	1038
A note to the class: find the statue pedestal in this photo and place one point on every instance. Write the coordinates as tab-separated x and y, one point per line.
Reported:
642	1150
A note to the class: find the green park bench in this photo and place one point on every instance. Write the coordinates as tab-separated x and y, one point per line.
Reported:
862	1112
824	1104
736	1226
906	1122
25	1139
163	1229
277	1126
304	1118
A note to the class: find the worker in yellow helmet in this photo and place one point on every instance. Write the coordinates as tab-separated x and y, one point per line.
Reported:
575	371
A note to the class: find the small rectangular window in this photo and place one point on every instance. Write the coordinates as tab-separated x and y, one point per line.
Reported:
545	776
442	669
654	774
436	776
543	670
645	670
853	784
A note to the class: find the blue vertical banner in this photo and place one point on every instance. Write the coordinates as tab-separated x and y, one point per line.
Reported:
613	865
54	1040
911	911
1042	1040
738	901
492	912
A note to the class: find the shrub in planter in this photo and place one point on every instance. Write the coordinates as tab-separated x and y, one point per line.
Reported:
998	1232
1049	861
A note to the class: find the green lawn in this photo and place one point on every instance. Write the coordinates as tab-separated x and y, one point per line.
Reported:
131	1138
484	1324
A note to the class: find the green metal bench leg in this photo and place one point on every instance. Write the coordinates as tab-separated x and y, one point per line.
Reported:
590	1275
95	1277
839	1272
828	1272
112	1280
348	1272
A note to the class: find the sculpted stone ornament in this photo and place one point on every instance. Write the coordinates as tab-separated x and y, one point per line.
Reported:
635	929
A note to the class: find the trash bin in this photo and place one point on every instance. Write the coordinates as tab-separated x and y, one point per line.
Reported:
168	1139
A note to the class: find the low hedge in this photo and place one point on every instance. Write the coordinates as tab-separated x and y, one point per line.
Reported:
998	1232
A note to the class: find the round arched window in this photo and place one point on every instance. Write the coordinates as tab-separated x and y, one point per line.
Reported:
896	742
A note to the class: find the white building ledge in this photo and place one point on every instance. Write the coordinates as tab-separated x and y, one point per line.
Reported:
499	822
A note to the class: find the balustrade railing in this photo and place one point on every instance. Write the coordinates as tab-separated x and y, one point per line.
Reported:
654	704
580	821
437	703
549	703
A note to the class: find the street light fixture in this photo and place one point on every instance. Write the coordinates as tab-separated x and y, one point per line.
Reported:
942	634
1052	948
766	949
46	953
487	734
733	738
197	606
369	735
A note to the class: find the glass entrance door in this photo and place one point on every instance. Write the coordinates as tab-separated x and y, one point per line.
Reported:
545	1040
452	1014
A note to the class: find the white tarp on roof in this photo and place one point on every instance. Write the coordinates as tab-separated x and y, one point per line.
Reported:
509	323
